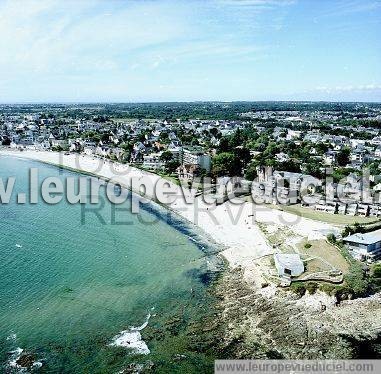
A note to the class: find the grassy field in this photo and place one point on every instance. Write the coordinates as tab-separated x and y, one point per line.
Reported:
171	178
315	266
326	252
335	219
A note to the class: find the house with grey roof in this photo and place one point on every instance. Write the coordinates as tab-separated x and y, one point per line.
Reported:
365	246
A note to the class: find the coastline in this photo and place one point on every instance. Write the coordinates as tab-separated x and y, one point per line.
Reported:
250	306
172	320
201	238
216	223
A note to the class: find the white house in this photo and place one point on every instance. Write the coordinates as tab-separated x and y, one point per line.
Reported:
293	134
288	264
196	156
329	158
152	161
377	152
282	157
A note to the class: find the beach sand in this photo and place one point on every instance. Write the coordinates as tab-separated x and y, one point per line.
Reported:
251	303
234	225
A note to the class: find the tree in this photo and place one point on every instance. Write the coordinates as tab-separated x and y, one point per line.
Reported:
166	156
127	147
313	167
105	137
356	279
195	141
289	165
331	238
347	231
214	131
321	148
6	141
358	228
236	139
226	163
171	166
340	173
243	154
312	287
374	167
251	171
224	145
164	137
377	270
343	157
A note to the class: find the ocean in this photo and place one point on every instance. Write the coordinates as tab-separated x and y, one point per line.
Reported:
96	293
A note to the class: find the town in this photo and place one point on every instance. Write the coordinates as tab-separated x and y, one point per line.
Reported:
190	186
315	159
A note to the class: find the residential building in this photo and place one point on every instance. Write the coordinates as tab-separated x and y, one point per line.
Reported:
365	246
196	156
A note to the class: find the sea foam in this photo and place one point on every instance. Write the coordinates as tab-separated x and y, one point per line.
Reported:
12	337
16	355
12	363
132	339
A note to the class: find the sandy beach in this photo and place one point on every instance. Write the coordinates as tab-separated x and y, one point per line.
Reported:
234	225
251	303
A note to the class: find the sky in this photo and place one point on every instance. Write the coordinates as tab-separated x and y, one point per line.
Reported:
174	50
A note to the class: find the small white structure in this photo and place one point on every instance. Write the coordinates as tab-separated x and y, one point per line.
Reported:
282	157
288	264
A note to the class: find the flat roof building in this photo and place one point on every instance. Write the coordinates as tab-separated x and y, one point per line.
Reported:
194	155
365	246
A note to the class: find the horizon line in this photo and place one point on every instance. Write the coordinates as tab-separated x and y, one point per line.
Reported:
186	102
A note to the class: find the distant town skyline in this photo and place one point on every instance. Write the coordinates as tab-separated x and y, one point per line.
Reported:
217	50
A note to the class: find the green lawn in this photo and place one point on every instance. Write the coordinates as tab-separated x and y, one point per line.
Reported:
326	252
336	219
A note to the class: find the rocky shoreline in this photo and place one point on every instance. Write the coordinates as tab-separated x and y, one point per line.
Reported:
271	322
268	322
252	318
261	322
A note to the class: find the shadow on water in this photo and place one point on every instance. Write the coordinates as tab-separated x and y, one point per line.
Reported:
203	275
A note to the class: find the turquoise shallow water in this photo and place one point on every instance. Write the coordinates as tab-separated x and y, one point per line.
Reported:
67	288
